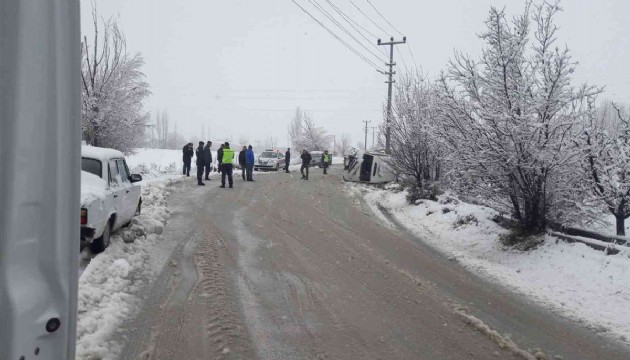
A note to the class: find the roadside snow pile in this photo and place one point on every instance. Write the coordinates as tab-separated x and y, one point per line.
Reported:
110	282
571	279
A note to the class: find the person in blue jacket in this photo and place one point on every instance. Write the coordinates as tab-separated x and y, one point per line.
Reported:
249	162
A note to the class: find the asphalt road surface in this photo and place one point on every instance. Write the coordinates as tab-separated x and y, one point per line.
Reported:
290	269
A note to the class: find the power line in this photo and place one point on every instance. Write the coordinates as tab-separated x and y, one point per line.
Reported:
413	58
340	26
354	25
371	63
383	17
367	17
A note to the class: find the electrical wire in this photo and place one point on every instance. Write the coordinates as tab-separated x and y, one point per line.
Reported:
354	25
413	58
383	17
368	61
370	19
334	21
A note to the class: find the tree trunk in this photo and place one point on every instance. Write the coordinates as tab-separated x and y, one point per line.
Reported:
620	219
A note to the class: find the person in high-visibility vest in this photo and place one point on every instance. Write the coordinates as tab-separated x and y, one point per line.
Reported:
325	160
226	163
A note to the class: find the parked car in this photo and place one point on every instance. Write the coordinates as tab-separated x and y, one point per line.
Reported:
110	196
270	160
316	158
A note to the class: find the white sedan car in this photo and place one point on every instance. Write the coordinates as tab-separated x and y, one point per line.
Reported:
110	196
270	160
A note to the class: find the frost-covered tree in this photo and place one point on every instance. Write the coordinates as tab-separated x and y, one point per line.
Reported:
607	161
508	119
415	150
305	134
113	89
343	142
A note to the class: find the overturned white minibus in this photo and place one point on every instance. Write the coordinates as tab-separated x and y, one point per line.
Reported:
366	167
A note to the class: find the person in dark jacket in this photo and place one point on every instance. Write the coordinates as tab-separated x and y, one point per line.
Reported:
220	158
306	163
227	156
241	161
207	158
200	162
188	153
325	161
287	160
249	163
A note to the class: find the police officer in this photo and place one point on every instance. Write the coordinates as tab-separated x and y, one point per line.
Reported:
325	158
200	162
226	163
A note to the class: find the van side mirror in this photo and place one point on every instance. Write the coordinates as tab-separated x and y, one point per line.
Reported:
135	178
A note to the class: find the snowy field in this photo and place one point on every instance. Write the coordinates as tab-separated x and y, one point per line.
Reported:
111	281
571	279
157	163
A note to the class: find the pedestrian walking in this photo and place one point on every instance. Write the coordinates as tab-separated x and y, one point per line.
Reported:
188	153
200	162
241	161
220	158
207	157
226	163
287	160
306	163
325	159
249	163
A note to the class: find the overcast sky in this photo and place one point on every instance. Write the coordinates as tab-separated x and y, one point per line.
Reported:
242	67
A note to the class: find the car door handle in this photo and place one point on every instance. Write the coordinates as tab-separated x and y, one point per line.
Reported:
127	191
115	196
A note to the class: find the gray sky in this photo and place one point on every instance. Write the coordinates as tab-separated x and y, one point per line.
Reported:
242	67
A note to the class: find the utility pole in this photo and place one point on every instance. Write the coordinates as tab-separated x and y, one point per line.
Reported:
373	130
389	83
366	130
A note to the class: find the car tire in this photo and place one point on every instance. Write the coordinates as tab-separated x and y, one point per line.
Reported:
99	245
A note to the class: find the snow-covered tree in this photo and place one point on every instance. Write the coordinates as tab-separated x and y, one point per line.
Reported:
343	142
607	161
508	119
415	151
161	128
305	134
113	89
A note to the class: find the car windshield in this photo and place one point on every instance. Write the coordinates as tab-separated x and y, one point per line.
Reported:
269	155
92	166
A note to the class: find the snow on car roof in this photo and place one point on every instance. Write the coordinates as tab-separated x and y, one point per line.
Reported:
92	187
103	154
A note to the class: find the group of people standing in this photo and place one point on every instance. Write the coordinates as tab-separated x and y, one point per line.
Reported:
246	159
225	155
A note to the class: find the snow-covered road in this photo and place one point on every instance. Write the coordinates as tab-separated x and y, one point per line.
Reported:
286	269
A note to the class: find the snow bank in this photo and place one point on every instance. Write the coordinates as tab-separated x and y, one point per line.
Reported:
571	279
111	281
